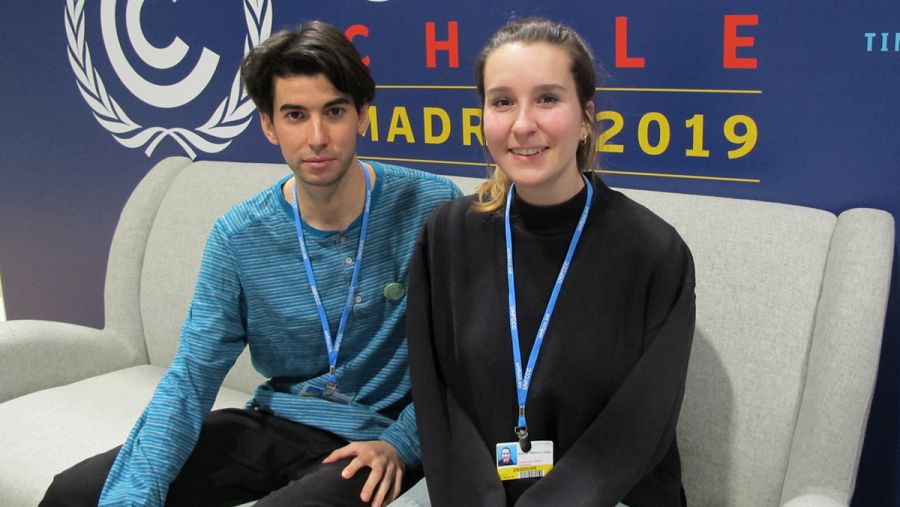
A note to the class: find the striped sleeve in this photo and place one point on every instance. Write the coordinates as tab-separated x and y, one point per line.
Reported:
403	435
212	338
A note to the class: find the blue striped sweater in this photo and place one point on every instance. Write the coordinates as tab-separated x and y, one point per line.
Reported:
253	291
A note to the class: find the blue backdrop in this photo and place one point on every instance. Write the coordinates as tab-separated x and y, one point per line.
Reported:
793	103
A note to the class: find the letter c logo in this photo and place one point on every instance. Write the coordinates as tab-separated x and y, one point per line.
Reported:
164	96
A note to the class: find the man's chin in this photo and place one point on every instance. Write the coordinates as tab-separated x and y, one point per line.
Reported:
323	180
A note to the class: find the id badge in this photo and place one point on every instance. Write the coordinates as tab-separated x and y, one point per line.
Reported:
327	393
513	464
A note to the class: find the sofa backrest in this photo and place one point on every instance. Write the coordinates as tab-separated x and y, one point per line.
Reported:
760	268
201	193
790	313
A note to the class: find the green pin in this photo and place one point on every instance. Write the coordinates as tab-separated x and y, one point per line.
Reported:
394	291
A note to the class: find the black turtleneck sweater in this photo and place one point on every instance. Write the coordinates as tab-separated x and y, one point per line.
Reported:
608	385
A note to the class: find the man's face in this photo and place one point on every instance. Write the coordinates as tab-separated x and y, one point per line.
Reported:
316	127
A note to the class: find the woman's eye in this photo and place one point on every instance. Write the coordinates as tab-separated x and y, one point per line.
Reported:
501	102
548	99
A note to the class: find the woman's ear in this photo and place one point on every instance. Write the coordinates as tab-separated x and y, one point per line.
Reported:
588	120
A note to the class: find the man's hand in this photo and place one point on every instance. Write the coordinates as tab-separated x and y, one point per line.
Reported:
386	464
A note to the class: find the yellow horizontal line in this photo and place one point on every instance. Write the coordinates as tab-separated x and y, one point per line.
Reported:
425	87
603	89
626	173
681	90
682	176
425	161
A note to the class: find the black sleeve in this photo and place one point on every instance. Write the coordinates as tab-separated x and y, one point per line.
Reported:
636	429
459	468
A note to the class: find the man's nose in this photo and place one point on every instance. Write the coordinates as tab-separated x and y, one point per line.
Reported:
318	135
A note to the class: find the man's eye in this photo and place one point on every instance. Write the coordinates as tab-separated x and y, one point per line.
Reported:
336	112
294	115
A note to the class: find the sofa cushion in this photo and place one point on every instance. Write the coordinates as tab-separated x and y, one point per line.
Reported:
48	431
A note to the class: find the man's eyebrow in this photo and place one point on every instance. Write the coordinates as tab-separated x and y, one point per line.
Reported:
292	107
337	101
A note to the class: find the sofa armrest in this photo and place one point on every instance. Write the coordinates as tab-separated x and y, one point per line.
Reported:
813	501
37	355
843	358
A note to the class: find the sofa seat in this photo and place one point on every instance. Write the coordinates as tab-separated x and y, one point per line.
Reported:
75	421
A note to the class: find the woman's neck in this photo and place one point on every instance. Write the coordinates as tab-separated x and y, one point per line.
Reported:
560	190
549	219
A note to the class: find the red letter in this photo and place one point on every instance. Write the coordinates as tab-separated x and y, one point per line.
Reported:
622	58
358	30
732	41
450	45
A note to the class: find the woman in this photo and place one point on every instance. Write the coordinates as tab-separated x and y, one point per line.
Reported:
550	292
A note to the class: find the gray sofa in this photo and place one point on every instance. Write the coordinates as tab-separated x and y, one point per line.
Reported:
790	302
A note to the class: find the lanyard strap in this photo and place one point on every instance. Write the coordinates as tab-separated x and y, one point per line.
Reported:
334	347
523	381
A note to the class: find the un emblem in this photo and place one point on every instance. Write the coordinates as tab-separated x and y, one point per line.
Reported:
227	121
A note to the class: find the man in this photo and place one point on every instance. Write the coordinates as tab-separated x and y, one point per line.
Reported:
315	262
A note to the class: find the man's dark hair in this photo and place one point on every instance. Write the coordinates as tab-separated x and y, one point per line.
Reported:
315	48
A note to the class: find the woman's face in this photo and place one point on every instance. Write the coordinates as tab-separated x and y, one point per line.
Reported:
533	121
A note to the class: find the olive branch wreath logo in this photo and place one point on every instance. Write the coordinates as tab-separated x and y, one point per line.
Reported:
230	118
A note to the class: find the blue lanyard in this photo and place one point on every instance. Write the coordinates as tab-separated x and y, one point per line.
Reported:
523	381
334	347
